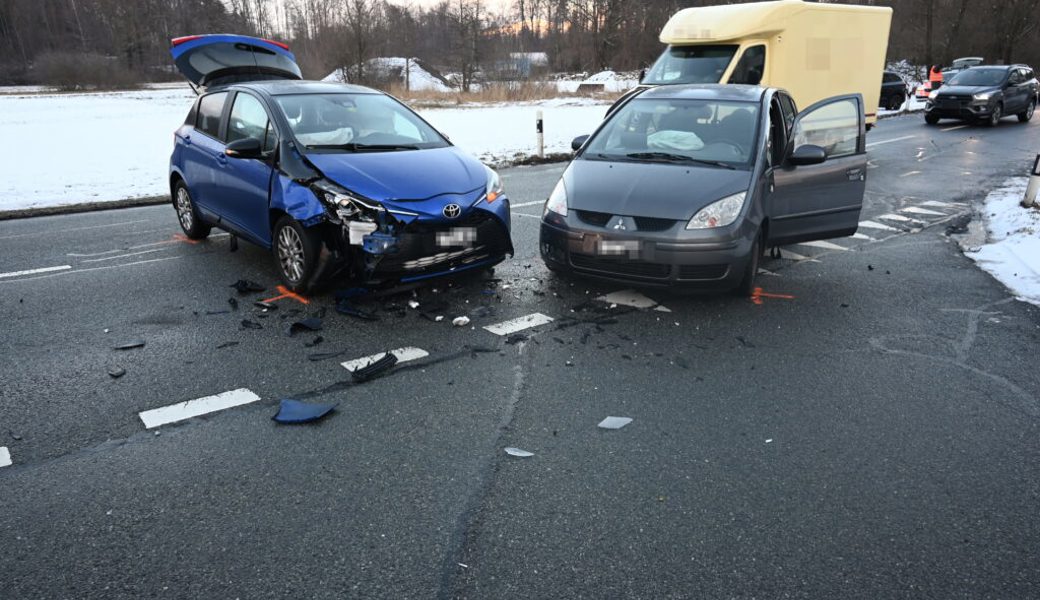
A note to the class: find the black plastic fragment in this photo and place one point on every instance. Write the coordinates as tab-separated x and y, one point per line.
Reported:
308	324
516	338
116	372
375	368
325	355
317	340
233	243
226	345
344	307
210	313
294	412
233	303
247	324
130	345
245	286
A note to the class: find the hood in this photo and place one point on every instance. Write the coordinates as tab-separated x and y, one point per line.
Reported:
663	191
410	179
966	90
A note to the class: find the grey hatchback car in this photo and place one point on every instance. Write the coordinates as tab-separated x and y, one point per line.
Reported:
688	185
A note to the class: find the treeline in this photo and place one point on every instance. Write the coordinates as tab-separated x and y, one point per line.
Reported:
84	42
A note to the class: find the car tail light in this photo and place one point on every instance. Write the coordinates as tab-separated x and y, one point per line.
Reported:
281	45
184	40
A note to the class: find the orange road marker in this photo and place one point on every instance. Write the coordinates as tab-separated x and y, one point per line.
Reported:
758	295
285	293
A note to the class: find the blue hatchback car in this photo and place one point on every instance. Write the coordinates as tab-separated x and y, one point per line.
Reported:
339	181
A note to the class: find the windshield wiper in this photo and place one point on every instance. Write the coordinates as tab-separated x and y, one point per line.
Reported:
352	147
665	156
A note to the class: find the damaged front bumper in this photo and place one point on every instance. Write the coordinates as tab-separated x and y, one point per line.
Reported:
393	251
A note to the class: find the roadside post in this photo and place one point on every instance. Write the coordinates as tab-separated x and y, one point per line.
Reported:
540	127
1033	189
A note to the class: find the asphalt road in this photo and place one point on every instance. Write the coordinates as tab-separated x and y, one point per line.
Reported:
868	429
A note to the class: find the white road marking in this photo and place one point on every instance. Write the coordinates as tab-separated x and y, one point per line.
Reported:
862	236
762	271
402	354
5	457
139	246
824	245
92	260
898	139
35	271
628	298
523	204
898	218
911	173
527	215
785	253
105	268
195	408
938	204
921	211
52	232
954	128
519	324
876	225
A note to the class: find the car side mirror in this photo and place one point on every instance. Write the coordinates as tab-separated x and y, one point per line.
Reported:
247	148
806	155
579	142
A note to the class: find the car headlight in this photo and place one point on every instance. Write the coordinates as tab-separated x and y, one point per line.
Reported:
341	201
983	97
932	95
557	202
494	185
718	214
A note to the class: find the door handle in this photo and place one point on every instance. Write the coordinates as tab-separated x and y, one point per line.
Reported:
222	159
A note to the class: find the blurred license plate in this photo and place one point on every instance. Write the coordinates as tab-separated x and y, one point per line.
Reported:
457	236
610	248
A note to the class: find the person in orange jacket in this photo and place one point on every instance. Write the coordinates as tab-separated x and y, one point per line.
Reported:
935	77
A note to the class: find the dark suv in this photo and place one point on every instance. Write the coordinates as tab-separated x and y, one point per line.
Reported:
893	91
985	93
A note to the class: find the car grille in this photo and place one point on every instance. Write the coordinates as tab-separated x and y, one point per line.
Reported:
652	224
628	268
600	219
954	101
702	272
593	218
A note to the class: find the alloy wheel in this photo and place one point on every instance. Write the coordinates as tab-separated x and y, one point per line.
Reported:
1029	111
995	117
184	210
290	253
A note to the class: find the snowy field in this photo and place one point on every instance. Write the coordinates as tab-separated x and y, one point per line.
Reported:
82	148
1012	250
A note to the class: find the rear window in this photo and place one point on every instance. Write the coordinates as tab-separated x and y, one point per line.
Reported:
210	108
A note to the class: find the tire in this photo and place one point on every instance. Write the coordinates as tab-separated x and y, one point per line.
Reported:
746	287
931	119
995	116
187	215
1024	117
296	251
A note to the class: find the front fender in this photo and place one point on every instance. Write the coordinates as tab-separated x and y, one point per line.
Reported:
296	200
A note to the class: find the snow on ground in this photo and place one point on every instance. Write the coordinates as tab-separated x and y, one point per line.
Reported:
610	80
82	148
1012	251
419	79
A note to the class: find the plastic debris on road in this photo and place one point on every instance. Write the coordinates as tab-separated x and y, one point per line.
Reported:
308	324
412	304
244	286
130	345
116	372
247	324
517	452
294	412
460	321
375	368
317	340
614	422
318	357
233	303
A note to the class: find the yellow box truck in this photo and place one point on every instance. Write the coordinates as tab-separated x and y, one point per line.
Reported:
812	50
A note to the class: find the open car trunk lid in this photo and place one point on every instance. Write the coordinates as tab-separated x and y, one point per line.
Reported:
221	59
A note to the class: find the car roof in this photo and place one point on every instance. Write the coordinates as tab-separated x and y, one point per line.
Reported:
284	87
708	91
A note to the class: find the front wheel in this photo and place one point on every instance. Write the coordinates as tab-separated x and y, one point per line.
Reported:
931	119
192	225
1024	117
746	287
995	116
296	252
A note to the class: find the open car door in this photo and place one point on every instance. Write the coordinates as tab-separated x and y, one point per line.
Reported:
221	59
818	191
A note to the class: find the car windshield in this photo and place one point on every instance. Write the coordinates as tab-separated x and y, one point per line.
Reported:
690	64
356	123
977	77
717	132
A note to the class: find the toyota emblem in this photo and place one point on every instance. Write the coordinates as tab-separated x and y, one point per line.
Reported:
452	211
